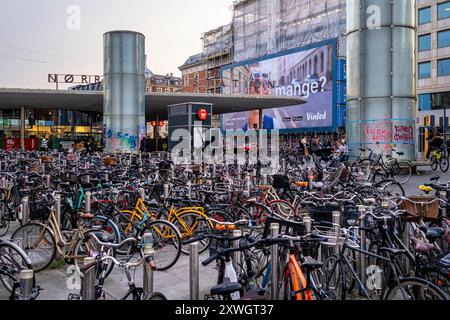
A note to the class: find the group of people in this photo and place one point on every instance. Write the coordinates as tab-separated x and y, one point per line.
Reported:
317	145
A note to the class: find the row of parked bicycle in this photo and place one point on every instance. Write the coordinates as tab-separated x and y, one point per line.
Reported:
320	229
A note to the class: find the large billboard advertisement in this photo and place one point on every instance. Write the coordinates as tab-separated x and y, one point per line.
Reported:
303	72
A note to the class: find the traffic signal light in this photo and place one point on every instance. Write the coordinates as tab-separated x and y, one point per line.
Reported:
427	121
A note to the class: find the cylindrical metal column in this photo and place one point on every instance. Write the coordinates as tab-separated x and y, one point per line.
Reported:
22	128
124	85
381	93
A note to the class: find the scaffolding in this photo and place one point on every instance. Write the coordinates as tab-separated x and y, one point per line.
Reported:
218	52
262	27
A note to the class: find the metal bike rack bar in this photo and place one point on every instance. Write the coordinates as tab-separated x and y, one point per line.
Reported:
236	255
166	191
148	272
26	284
337	221
194	272
406	242
362	260
308	224
88	201
88	291
274	288
58	209
25	210
47	181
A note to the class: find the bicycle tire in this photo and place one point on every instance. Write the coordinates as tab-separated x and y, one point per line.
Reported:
207	227
424	284
6	257
444	164
171	237
434	163
48	235
154	296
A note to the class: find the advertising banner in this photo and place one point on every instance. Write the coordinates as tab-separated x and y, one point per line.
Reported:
305	73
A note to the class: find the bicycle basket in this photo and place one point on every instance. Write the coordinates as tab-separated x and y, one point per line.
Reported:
110	161
323	214
46	159
280	182
39	210
426	210
69	177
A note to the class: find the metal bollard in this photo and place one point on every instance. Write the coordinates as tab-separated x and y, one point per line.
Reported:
88	291
190	189
406	241
47	181
26	284
362	260
214	170
58	209
236	255
88	201
148	271
166	191
25	210
172	171
274	292
194	272
142	193
308	224
337	221
248	186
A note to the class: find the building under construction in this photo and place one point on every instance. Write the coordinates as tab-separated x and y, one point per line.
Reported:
262	27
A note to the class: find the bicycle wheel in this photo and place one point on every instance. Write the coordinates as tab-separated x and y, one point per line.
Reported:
434	163
154	296
38	243
166	243
415	289
404	174
190	224
391	188
283	208
439	278
4	222
12	260
444	164
333	278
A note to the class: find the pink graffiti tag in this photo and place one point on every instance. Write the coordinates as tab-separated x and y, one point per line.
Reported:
378	132
404	134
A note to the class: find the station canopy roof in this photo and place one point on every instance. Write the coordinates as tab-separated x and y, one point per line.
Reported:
156	102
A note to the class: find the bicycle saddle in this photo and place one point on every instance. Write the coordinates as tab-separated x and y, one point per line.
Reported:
422	247
311	264
226	288
425	189
433	234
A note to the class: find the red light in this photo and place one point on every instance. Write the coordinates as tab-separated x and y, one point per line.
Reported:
161	123
203	114
153	123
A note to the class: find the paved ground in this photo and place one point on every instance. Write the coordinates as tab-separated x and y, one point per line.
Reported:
173	283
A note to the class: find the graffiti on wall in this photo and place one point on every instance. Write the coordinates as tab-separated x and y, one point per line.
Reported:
121	141
403	134
378	132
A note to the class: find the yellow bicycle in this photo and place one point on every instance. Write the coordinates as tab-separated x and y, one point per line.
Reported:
439	159
188	220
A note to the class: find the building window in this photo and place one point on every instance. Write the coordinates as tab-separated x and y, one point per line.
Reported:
443	67
425	102
167	90
444	10
425	42
159	90
424	70
425	15
444	39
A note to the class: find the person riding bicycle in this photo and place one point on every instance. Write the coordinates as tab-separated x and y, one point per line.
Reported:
435	142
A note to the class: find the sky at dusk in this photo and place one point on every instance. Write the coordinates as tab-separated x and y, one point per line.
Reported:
38	37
